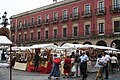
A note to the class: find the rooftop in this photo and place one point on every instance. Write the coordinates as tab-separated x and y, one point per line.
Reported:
56	4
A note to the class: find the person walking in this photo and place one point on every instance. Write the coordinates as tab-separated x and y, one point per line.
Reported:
76	63
67	66
114	62
83	65
99	65
106	58
36	61
55	67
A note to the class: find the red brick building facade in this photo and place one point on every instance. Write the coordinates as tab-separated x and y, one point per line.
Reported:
77	21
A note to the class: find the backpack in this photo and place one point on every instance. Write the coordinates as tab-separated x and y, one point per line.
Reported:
57	61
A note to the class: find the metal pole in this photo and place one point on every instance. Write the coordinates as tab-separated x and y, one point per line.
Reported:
10	63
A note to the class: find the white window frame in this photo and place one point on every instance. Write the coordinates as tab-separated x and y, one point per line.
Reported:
74	31
20	24
32	21
39	19
64	16
100	28
54	33
75	13
87	11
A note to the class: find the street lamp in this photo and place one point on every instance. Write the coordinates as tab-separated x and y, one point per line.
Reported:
4	20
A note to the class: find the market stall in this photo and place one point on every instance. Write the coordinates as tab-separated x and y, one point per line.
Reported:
4	41
45	57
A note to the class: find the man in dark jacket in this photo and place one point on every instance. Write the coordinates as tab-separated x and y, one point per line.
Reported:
36	61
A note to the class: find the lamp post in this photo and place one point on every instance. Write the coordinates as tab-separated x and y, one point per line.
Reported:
4	20
4	23
10	55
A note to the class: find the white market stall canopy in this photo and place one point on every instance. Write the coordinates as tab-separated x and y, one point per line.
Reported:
48	46
70	45
75	46
4	40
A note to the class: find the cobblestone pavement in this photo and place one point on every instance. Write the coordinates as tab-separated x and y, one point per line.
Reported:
23	75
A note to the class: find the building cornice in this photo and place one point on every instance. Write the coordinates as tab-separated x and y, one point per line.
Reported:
53	5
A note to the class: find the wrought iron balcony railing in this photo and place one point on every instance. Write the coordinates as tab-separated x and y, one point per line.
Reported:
46	21
100	11
19	27
87	14
64	18
81	35
74	16
54	20
12	28
114	8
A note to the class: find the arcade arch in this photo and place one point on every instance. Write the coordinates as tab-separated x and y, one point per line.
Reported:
87	42
101	43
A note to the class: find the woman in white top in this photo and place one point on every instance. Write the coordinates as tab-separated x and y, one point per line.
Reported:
99	65
114	62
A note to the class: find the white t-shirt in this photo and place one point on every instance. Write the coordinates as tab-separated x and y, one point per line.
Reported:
97	62
72	60
113	59
106	58
84	58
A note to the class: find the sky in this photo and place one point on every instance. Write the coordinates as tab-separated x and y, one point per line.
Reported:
13	7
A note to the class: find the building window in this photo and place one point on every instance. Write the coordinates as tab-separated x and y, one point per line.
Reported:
39	20
87	29
116	26
64	32
55	33
19	37
75	11
38	35
75	31
55	16
25	37
64	14
13	25
31	36
13	37
20	24
32	21
46	34
87	9
101	28
101	6
47	18
116	3
25	23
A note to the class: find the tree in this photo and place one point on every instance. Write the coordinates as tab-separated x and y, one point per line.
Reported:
4	31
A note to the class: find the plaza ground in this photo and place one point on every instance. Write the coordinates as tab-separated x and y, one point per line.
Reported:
23	75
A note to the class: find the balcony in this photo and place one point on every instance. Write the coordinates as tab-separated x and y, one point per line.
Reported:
38	23
87	14
64	18
19	27
32	25
72	36
46	22
25	26
114	9
74	16
54	20
12	28
100	11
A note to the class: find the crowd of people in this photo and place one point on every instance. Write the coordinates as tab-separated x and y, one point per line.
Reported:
75	65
